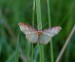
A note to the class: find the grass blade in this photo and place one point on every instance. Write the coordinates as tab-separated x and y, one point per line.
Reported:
49	19
32	59
39	23
65	45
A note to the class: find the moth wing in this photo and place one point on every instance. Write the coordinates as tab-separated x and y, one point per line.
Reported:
44	39
48	34
31	33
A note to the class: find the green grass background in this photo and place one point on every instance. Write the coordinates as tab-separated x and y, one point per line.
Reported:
14	46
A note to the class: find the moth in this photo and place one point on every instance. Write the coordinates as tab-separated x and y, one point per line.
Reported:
38	36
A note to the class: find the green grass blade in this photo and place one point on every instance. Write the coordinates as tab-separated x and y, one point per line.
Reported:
39	23
15	55
49	19
38	11
32	59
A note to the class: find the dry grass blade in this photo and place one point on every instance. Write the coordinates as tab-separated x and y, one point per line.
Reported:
10	31
22	56
65	45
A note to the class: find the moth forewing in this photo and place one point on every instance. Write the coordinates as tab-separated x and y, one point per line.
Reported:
31	33
52	31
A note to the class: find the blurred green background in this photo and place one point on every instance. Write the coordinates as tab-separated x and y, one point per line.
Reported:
13	44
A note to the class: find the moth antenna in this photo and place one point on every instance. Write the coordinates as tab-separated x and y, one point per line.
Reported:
44	25
35	25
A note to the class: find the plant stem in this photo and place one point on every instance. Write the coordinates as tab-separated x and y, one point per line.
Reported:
33	26
32	53
39	23
66	44
17	51
33	13
49	19
38	11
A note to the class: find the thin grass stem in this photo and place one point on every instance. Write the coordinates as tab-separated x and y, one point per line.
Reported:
39	23
33	26
17	51
49	20
65	45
